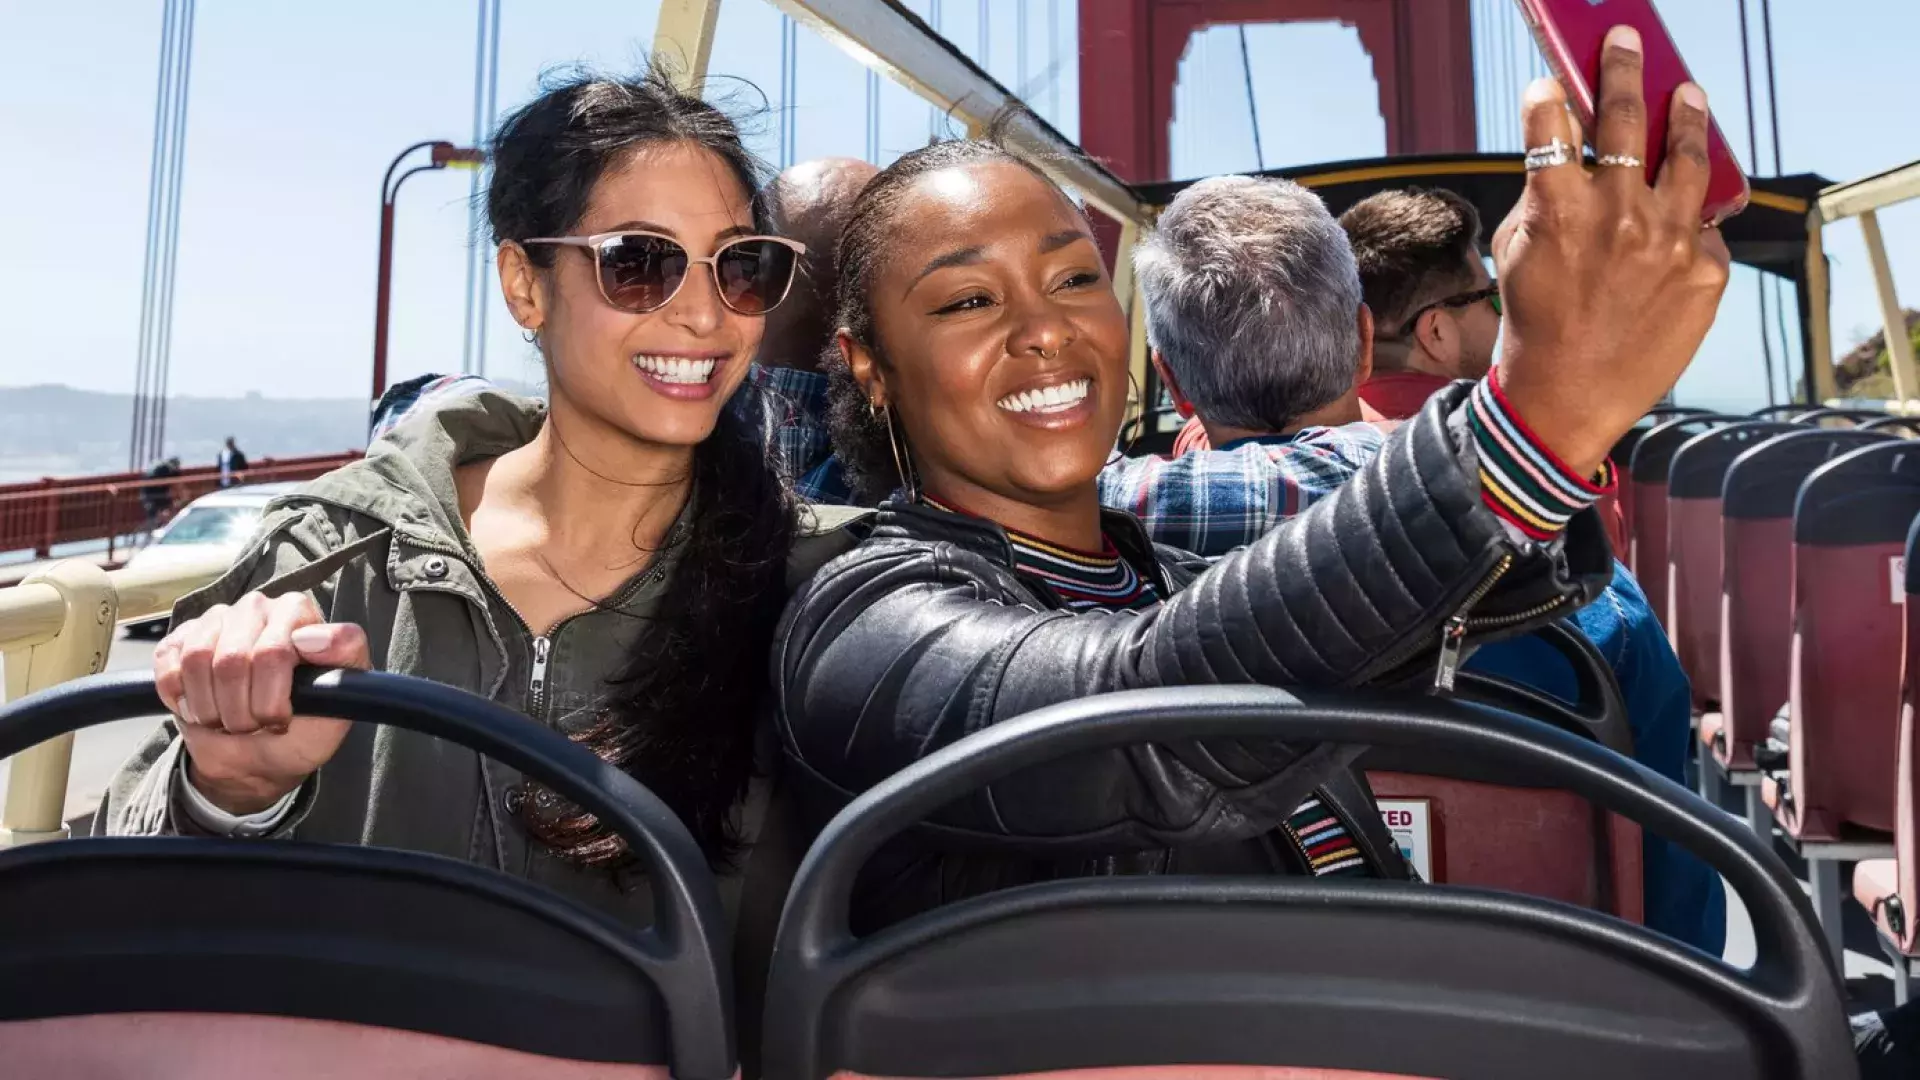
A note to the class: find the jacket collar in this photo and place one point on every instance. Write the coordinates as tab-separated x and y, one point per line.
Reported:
984	537
406	480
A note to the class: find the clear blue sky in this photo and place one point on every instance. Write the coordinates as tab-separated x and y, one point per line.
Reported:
296	109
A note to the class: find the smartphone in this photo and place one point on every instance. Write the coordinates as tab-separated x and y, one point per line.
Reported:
1571	34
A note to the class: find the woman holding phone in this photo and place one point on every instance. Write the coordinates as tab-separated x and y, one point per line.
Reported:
981	367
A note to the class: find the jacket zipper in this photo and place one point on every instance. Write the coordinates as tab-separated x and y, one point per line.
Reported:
537	690
1453	632
542	643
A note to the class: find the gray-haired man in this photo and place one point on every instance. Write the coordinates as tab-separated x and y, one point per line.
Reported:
1256	318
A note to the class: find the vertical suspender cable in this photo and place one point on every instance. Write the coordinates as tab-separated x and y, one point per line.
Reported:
1253	106
1477	29
933	111
1753	151
986	40
486	100
1020	49
1779	168
136	433
486	52
1053	61
873	116
164	352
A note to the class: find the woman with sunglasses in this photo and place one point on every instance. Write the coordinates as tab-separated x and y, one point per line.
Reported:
612	564
981	366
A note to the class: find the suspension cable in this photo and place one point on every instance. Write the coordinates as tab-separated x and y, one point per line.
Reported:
137	431
1253	106
163	367
1779	168
1753	152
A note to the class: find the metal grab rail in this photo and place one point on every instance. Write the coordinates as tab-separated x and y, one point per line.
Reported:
56	626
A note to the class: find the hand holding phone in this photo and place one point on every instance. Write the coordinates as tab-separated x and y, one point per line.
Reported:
1572	35
1610	284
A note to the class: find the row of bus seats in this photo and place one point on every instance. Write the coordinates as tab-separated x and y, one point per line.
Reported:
1775	553
228	958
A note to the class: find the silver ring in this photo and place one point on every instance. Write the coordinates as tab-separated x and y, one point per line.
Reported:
1549	156
1625	161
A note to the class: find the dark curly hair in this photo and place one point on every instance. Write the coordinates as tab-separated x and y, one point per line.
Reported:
682	713
860	439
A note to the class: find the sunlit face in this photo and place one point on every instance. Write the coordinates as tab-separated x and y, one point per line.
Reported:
664	376
1006	350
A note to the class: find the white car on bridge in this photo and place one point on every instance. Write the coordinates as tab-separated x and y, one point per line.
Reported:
217	523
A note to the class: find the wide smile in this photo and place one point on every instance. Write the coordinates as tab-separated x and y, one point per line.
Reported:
685	378
1053	406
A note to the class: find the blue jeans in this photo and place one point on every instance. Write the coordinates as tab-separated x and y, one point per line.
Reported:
1685	898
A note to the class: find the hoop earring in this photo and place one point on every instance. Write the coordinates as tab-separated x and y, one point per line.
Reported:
531	337
902	460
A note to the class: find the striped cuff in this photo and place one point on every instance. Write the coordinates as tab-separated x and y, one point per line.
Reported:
1520	479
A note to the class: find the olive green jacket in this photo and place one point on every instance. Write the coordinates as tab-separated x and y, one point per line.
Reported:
408	574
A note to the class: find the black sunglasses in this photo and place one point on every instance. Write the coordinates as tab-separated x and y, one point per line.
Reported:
1490	294
642	271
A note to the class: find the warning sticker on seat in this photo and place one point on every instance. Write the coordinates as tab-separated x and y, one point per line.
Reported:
1411	822
1898	572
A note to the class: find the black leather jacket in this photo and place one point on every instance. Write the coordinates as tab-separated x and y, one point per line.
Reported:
925	633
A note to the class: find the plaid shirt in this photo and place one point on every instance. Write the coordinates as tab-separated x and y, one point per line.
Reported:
1210	502
795	405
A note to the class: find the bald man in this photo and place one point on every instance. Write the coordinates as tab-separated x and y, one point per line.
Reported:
810	203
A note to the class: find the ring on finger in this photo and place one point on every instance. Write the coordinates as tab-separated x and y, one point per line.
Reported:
1554	154
1622	161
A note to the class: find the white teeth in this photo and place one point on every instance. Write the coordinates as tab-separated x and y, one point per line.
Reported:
676	369
1051	399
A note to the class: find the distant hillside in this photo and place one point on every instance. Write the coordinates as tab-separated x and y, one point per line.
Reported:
1867	371
60	431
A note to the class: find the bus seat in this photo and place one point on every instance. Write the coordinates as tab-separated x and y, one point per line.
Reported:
1652	459
1531	841
1500	829
1756	602
1131	976
143	956
1890	888
1850	527
1694	482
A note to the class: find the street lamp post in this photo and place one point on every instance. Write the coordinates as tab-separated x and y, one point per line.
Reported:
443	155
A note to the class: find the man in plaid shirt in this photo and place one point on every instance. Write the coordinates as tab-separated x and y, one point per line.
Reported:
1256	318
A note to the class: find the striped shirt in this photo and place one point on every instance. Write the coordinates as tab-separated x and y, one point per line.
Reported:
1090	582
1521	481
1083	580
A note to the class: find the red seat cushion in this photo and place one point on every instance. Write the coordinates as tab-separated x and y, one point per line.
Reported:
1847	651
1693	603
1531	841
1756	639
222	1046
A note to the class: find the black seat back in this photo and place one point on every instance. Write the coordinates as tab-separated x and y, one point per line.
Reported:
373	938
1390	977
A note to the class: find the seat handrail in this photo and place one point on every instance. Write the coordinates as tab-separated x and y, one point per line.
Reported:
688	939
815	924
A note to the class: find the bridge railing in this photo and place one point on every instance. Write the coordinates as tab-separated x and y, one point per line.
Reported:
39	515
58	625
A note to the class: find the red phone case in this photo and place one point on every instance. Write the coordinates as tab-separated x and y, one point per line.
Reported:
1571	34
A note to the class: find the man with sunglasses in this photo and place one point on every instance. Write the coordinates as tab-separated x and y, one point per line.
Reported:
1436	309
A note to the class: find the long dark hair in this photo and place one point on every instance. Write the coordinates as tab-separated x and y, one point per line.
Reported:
682	714
860	438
